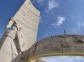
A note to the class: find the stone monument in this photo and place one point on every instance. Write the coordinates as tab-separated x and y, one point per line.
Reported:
21	32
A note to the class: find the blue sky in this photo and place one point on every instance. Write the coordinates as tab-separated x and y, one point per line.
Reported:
60	15
7	9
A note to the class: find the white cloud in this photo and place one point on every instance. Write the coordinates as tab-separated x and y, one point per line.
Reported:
80	24
77	28
60	21
52	4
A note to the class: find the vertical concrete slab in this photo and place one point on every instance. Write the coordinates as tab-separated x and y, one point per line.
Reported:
27	19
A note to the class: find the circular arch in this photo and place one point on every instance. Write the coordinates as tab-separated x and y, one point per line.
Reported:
62	45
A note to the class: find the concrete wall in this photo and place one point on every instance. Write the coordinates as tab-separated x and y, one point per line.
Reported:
58	45
27	19
21	32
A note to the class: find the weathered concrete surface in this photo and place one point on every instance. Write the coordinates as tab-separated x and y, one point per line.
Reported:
57	45
27	19
8	49
21	32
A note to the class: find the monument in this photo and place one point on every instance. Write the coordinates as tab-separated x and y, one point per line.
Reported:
21	32
19	41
